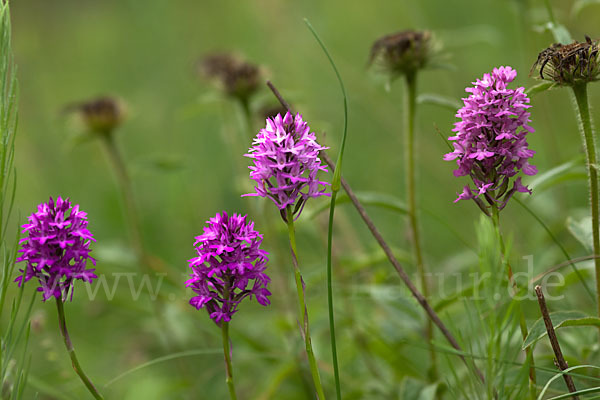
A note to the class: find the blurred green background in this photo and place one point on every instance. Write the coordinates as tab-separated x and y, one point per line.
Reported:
183	142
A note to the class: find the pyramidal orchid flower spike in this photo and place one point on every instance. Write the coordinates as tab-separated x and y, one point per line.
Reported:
56	249
286	163
229	267
490	144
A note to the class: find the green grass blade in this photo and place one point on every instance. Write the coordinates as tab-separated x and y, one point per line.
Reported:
335	187
189	353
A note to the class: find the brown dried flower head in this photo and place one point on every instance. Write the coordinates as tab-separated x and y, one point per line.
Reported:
403	52
569	64
238	78
101	115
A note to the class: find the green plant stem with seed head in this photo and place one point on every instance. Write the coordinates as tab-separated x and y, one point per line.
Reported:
302	310
587	133
126	191
74	361
148	262
522	321
410	107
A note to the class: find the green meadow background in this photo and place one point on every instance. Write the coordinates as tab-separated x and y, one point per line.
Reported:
183	143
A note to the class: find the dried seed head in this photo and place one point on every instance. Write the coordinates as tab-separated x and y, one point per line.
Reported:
238	78
101	115
403	52
569	64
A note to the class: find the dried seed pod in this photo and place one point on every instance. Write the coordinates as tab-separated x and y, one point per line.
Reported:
403	53
236	77
101	115
569	64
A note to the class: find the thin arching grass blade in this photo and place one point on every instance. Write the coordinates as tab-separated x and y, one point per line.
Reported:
336	184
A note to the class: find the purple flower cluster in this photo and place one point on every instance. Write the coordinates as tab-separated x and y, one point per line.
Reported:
229	258
57	248
286	163
490	143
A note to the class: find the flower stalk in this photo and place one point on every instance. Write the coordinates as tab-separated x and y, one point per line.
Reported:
421	300
404	54
302	309
71	350
127	194
495	216
229	267
228	367
575	65
587	133
410	107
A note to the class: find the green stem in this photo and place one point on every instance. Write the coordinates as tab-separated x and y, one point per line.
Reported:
410	107
245	104
65	334
228	368
522	321
127	193
336	371
302	310
550	12
336	184
148	262
587	132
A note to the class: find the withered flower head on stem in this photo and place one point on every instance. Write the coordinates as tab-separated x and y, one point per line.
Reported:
403	53
101	115
569	64
236	77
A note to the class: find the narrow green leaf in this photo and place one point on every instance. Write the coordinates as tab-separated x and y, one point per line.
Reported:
356	263
430	392
559	32
189	353
161	163
559	319
582	231
48	389
560	374
439	100
453	298
579	5
540	87
382	200
578	392
571	170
